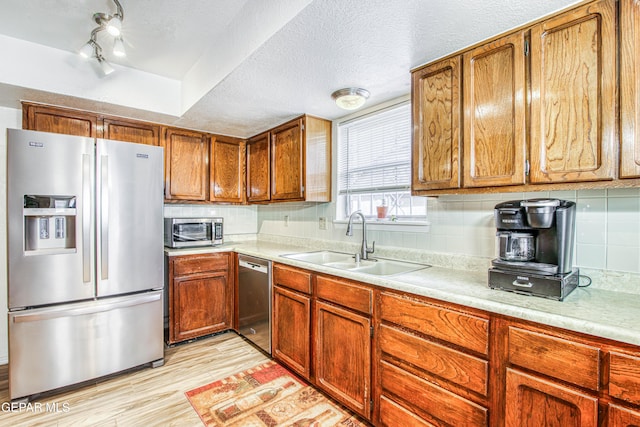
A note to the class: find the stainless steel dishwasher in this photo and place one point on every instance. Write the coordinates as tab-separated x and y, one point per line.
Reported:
254	300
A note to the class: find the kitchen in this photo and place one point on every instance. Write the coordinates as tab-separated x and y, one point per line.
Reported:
607	237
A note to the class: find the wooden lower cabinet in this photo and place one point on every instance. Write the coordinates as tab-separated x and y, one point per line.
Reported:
343	356
291	336
200	295
619	416
431	363
533	402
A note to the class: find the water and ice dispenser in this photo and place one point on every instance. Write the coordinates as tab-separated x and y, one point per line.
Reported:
49	224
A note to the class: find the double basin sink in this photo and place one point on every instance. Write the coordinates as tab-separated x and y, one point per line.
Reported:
343	261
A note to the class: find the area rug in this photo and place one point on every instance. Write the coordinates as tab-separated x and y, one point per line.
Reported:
267	395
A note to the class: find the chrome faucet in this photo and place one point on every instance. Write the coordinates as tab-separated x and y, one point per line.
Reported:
364	250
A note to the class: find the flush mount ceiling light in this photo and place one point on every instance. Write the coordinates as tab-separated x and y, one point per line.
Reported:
113	25
350	98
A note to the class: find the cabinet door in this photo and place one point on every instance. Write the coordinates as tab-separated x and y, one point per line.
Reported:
573	95
343	356
291	336
494	113
227	170
619	416
436	126
630	88
200	305
131	131
58	120
258	166
535	402
187	165
287	162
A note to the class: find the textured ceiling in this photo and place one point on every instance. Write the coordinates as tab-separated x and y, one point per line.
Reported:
238	67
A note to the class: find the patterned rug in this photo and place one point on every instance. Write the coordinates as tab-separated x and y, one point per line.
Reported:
267	395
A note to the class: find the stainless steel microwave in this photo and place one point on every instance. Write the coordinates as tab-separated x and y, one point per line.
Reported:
192	232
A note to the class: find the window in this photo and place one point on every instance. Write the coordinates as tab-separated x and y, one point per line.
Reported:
374	165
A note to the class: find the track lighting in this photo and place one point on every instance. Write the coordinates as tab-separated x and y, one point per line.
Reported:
106	67
113	25
118	47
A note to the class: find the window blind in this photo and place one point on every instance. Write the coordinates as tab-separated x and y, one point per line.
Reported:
374	152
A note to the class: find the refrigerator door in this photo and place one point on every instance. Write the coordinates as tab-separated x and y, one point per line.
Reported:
50	189
129	206
66	344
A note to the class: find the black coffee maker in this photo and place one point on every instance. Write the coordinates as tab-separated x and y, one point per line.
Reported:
535	240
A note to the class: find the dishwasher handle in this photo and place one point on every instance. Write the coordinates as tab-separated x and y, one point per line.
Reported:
253	266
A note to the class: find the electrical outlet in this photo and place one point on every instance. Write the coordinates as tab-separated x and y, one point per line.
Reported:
322	223
286	220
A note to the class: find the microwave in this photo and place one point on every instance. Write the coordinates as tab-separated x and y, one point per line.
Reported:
192	232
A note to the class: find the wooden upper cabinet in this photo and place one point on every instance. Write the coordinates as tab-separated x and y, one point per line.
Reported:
258	161
60	120
494	113
227	170
573	95
287	162
301	160
436	110
317	144
131	131
187	165
630	89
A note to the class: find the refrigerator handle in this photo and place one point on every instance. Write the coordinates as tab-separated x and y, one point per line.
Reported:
58	312
104	218
86	218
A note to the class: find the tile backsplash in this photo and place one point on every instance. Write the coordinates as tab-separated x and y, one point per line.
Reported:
237	219
607	226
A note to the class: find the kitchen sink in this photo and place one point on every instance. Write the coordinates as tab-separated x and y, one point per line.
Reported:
321	257
343	261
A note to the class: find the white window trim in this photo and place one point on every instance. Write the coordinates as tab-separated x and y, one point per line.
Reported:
388	225
398	225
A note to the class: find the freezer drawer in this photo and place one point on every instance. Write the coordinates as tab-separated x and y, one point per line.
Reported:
63	345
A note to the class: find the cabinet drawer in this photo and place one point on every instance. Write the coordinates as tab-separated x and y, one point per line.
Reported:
624	377
566	360
431	399
467	371
392	415
186	265
348	295
458	328
298	280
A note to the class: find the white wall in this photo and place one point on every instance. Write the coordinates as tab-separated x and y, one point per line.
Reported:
9	118
607	226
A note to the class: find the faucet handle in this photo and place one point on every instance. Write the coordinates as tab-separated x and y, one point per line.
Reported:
372	248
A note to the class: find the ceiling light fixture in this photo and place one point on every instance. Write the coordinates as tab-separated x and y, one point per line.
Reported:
113	25
350	98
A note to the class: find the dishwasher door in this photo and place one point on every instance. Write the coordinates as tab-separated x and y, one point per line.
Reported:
254	300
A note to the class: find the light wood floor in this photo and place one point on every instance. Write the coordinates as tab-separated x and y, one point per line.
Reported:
146	397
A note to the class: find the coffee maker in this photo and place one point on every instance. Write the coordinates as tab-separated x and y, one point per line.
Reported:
535	241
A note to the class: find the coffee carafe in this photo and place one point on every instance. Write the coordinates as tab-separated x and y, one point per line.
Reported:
535	247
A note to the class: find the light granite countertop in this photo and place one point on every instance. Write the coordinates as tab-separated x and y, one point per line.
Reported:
605	313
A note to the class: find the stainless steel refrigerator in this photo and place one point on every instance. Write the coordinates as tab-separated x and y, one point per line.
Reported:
85	259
